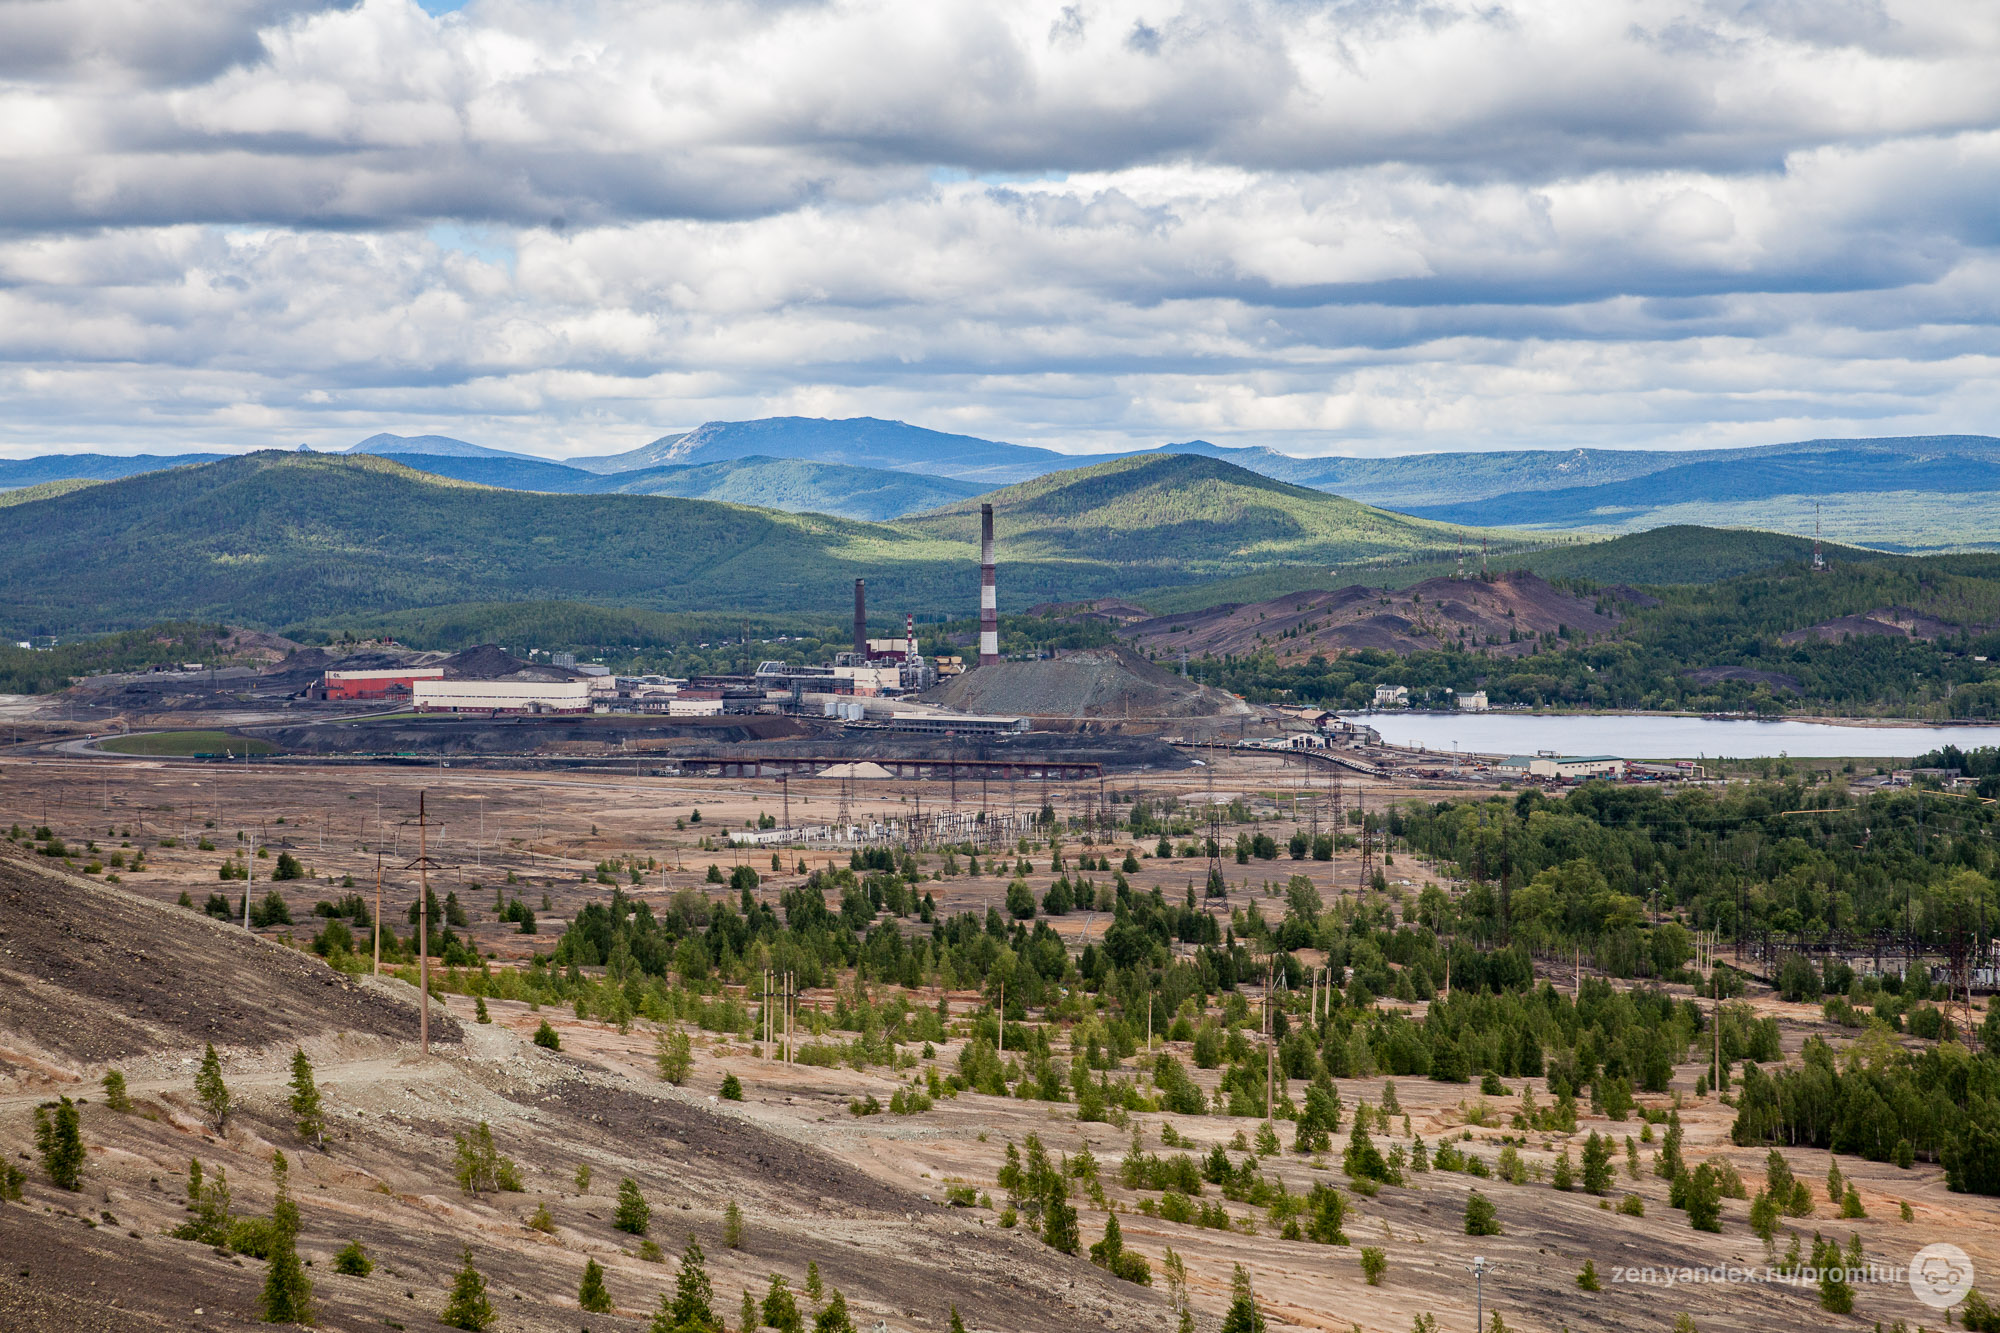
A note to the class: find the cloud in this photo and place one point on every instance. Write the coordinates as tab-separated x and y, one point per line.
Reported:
570	226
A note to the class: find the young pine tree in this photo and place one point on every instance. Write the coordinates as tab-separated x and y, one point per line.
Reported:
287	1297
307	1115
468	1307
834	1318
732	1226
210	1090
692	1309
59	1138
781	1309
115	1095
590	1293
1479	1216
674	1054
633	1215
1597	1172
1243	1315
748	1316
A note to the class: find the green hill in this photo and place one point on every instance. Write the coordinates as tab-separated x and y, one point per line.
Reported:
284	538
292	539
1174	516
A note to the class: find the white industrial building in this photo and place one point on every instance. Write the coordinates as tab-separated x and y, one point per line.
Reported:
1561	768
505	696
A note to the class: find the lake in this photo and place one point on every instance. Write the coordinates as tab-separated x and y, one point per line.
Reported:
1646	736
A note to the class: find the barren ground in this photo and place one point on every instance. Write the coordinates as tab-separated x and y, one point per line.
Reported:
94	977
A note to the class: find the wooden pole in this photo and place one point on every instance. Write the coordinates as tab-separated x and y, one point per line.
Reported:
378	906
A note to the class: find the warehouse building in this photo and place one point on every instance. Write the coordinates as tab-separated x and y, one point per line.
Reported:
505	696
389	683
1561	768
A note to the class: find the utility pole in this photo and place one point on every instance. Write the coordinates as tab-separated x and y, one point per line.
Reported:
378	904
1479	1269
422	865
249	878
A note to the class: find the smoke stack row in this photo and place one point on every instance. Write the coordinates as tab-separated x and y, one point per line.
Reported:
989	605
860	624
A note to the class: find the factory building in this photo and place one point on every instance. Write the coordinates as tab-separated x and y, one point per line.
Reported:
506	696
957	724
392	683
1561	768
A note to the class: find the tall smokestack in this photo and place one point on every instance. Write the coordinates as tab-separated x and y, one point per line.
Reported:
989	605
860	623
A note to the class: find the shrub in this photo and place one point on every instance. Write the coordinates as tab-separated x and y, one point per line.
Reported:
115	1095
546	1038
732	1088
1587	1279
353	1261
1374	1263
481	1167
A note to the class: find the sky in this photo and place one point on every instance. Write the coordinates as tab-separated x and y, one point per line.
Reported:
1353	227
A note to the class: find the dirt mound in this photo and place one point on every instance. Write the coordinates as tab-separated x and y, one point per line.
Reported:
1502	617
1091	683
257	646
89	972
1892	622
1108	610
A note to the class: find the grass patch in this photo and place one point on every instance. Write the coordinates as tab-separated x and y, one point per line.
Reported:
185	743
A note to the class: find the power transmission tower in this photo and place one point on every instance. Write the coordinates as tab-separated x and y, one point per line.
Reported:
1215	886
1338	816
1367	838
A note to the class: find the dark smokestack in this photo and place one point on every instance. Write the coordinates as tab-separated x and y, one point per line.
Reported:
989	605
860	623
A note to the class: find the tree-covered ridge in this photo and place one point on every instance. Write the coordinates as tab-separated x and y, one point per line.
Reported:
1709	648
280	538
1188	514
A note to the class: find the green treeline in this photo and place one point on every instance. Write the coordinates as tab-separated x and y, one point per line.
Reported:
1790	858
1737	622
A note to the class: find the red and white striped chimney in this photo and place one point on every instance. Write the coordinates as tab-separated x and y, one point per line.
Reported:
989	604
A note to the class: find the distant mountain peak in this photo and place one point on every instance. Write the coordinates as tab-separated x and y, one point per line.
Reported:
436	446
